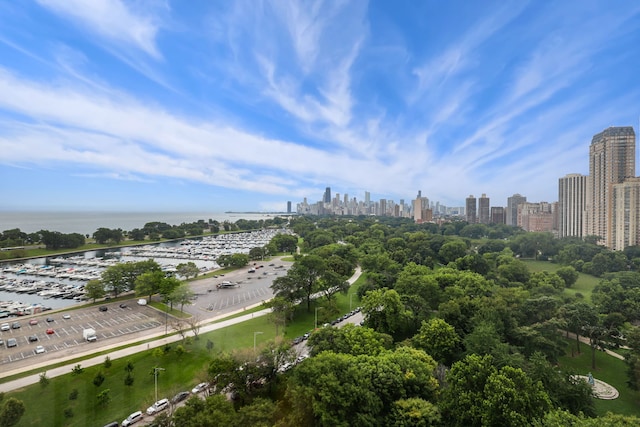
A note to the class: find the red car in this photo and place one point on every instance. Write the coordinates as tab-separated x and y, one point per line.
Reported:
33	322
50	331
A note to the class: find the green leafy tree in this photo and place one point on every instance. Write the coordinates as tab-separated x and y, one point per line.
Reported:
149	283
512	399
214	411
98	379
384	311
44	380
104	397
452	250
259	413
94	289
349	339
569	275
439	340
188	269
414	412
301	280
11	411
182	295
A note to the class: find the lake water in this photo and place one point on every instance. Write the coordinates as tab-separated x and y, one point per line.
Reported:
88	222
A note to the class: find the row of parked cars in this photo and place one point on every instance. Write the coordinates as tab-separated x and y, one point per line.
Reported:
159	406
334	322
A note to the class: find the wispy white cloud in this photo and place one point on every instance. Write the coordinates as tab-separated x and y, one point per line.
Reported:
112	20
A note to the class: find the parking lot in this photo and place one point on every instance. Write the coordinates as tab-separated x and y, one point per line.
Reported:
65	331
246	289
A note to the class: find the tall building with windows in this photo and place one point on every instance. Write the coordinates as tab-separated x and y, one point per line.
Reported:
572	199
497	215
327	195
612	155
625	221
471	209
484	212
512	208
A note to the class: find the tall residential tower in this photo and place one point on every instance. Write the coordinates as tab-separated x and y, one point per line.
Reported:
572	197
612	157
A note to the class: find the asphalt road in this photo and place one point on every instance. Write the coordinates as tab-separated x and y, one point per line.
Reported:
133	322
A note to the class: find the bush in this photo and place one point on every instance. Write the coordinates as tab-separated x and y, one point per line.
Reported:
74	394
77	370
68	413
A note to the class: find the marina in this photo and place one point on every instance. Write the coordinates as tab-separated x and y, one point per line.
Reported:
56	282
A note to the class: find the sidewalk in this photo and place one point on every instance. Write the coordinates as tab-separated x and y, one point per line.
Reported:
207	326
92	361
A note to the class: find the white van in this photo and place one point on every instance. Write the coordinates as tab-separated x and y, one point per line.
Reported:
142	301
133	418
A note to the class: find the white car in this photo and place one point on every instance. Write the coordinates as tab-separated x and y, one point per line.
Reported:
158	406
39	349
133	418
5	327
197	389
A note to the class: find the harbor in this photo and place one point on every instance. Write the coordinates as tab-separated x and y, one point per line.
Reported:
46	283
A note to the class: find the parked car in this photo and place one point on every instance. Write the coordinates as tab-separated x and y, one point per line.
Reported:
12	342
133	418
33	338
142	301
33	322
50	319
158	406
50	331
15	325
180	397
5	327
39	349
199	388
103	308
123	305
66	316
1	341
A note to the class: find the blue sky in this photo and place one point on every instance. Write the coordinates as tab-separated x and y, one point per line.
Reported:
242	105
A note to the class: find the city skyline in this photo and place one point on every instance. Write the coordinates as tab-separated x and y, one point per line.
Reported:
246	105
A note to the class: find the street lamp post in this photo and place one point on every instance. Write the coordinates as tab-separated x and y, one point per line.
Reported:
316	321
254	340
155	379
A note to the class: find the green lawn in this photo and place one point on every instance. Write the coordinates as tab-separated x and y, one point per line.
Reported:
608	369
47	406
584	285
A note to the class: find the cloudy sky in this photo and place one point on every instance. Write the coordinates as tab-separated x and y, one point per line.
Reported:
242	105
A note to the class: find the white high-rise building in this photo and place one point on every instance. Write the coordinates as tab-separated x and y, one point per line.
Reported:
572	199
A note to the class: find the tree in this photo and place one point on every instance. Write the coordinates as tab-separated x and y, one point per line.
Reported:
438	339
188	269
11	411
98	379
149	283
214	411
414	412
384	311
569	275
94	289
349	339
259	413
301	280
452	250
182	295
512	399
104	397
44	380
194	325
282	309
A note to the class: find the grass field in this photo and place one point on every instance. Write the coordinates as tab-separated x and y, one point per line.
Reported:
584	285
608	369
52	405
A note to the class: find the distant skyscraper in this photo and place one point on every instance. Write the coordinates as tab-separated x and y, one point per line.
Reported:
512	208
327	195
289	207
484	213
572	199
625	221
612	157
367	198
497	215
471	209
